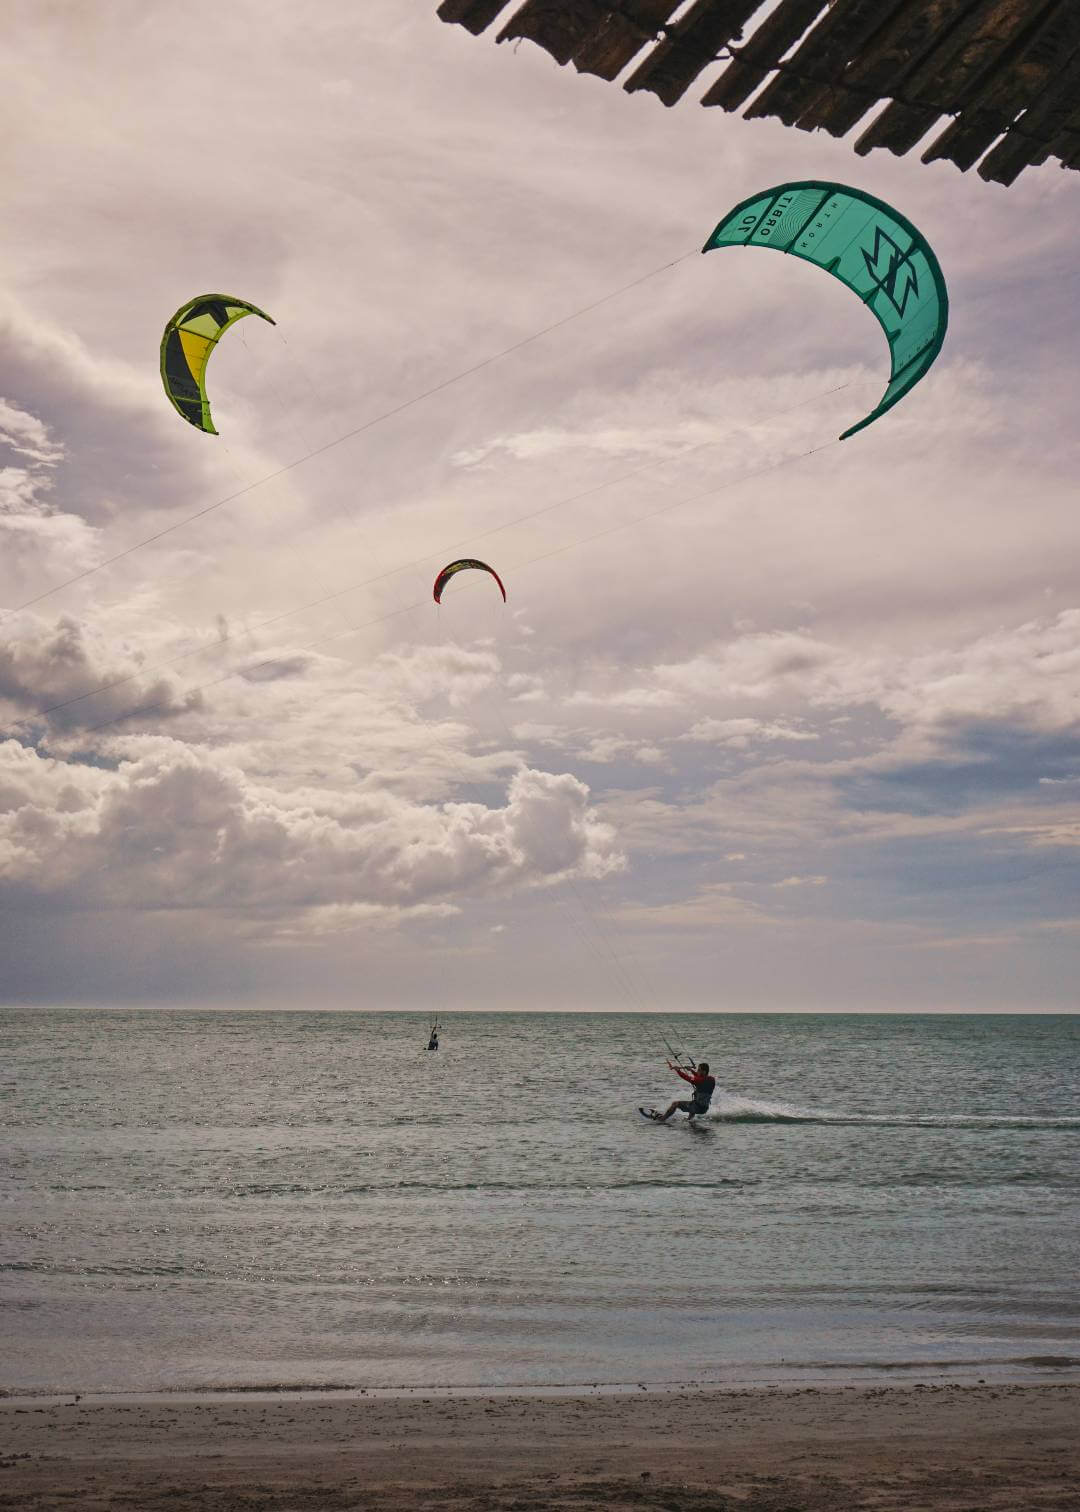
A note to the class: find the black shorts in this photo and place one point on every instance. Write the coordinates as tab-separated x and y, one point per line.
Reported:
693	1108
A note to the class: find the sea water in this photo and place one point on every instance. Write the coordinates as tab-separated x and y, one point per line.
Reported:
199	1199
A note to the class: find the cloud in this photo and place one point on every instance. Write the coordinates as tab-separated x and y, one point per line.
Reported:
603	749
627	698
1027	675
739	734
760	665
34	532
316	924
451	672
27	436
957	724
965	764
44	675
678	440
172	828
713	906
271	668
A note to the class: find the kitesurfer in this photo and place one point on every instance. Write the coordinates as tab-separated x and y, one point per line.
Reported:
433	1042
704	1086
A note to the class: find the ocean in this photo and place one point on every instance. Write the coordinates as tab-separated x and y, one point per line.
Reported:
195	1200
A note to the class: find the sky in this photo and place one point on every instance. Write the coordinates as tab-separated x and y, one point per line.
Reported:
768	722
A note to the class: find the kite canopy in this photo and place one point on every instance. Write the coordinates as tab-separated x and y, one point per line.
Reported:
448	572
865	244
189	339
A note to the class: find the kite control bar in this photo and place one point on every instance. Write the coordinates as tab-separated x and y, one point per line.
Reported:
677	1055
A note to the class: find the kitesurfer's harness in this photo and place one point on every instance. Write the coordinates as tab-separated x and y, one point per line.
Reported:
704	1087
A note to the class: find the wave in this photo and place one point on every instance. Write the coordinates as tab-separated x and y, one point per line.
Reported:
783	1372
756	1111
385	1188
993	1372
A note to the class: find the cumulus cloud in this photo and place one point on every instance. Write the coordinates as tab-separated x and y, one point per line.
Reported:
974	724
451	672
35	532
1027	675
1023	679
740	734
759	665
27	436
46	674
173	828
604	749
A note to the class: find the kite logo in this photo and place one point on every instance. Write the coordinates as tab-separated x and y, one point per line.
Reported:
893	273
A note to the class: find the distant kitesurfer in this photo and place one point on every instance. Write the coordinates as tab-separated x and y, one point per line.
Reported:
704	1086
433	1042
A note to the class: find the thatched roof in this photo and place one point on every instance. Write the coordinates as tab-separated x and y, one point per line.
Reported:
1006	71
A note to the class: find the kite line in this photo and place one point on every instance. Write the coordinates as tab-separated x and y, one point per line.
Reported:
358	430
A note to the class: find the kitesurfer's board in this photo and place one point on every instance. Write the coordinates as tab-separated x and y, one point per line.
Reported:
691	1123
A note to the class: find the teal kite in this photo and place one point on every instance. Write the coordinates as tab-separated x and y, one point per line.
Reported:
867	245
190	338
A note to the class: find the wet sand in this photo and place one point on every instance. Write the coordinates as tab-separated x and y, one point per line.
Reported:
915	1448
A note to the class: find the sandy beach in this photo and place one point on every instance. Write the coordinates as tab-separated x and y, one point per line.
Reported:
962	1448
